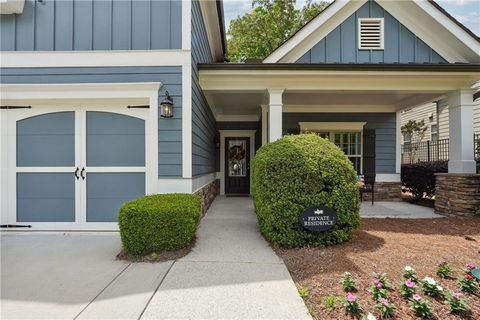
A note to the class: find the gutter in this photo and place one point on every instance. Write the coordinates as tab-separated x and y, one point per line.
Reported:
442	67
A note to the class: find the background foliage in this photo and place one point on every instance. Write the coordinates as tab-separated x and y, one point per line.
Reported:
419	178
258	33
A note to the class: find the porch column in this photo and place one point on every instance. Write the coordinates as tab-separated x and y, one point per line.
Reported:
264	124
275	110
461	132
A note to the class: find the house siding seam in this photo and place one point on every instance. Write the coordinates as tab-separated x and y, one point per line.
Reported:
384	125
401	45
169	130
65	25
203	121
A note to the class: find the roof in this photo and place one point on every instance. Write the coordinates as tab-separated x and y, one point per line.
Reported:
336	6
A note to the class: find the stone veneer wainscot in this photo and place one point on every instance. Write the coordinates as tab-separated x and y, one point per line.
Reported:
457	194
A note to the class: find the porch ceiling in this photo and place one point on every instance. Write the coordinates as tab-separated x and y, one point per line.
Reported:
241	90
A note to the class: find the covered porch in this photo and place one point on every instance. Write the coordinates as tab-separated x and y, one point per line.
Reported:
356	106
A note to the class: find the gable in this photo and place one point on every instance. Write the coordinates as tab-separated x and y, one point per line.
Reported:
400	44
417	31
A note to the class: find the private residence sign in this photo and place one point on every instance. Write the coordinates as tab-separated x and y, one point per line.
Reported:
318	219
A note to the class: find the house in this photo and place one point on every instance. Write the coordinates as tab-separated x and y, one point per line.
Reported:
105	101
435	117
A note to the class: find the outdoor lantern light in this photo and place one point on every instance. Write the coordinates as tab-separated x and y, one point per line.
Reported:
166	106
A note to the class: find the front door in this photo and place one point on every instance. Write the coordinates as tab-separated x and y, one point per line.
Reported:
237	166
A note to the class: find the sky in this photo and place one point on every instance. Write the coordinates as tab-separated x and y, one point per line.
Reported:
465	11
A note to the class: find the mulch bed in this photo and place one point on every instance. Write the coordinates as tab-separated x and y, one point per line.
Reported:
157	256
387	245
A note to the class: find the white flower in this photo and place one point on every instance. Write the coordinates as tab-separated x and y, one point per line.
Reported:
371	317
348	274
439	288
430	281
408	268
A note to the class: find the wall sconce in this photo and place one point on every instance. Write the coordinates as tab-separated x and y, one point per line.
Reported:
166	106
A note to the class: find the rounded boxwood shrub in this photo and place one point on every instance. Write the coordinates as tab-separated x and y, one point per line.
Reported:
297	172
159	222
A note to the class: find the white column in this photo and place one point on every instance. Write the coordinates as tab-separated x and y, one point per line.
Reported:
264	124
461	132
275	110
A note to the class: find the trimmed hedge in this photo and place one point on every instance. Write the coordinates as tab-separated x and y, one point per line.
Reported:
159	222
299	171
419	178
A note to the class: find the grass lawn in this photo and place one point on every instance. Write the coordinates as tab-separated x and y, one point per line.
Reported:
387	245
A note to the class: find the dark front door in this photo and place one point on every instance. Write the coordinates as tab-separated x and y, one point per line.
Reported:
237	166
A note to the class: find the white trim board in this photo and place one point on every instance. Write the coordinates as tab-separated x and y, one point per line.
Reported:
95	58
210	19
236	134
332	126
185	185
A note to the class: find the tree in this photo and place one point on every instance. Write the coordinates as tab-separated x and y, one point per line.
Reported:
271	22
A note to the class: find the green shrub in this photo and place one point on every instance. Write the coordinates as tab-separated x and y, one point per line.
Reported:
159	222
299	171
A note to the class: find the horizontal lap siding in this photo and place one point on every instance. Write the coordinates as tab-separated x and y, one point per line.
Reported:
401	45
383	123
169	130
66	25
203	122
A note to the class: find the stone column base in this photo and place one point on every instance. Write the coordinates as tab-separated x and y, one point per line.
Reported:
457	194
385	191
208	193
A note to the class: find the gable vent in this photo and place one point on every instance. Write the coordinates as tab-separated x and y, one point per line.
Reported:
370	33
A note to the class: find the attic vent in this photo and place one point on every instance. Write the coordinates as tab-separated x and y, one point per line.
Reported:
370	33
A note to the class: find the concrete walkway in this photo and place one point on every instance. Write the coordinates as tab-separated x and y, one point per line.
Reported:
232	273
396	209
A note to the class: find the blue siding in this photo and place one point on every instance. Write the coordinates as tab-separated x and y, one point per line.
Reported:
203	122
401	45
383	124
169	130
93	25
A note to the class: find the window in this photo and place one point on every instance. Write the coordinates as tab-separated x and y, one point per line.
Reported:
351	144
433	132
407	142
370	34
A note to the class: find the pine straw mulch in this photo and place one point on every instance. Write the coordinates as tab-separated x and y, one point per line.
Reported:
387	245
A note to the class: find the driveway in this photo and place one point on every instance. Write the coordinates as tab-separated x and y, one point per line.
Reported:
231	273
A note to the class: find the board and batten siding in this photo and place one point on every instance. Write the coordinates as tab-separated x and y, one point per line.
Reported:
169	130
203	121
65	25
401	45
383	123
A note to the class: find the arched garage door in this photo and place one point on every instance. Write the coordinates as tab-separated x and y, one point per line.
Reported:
72	168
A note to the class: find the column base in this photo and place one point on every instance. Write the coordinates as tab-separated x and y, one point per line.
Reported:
457	194
385	191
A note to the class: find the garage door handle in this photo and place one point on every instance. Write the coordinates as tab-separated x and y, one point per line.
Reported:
82	173
76	173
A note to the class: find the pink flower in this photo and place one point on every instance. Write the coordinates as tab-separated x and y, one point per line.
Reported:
417	297
470	266
457	295
351	297
384	301
409	283
468	276
379	274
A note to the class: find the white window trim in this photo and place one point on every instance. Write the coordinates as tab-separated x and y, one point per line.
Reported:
382	33
433	132
336	127
235	134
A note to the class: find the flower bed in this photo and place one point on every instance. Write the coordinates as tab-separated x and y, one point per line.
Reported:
420	270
